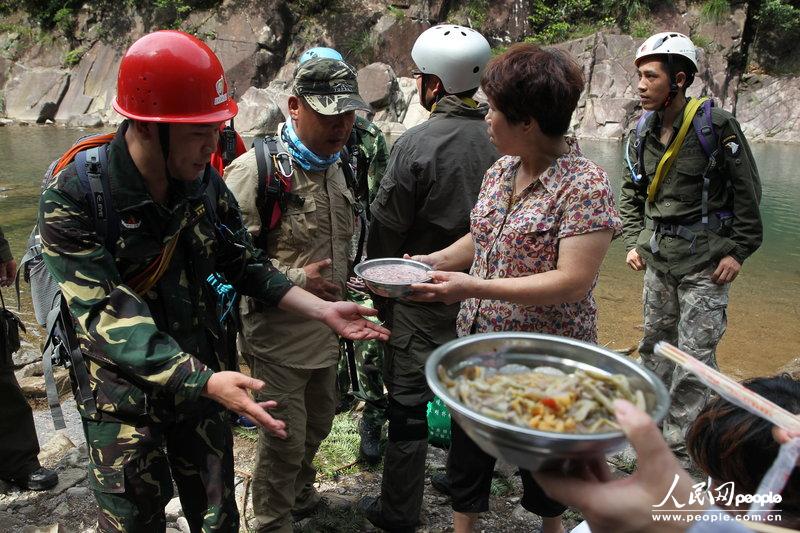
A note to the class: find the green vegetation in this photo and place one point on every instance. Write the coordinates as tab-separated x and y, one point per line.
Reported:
714	10
396	12
569	19
502	486
477	11
701	41
777	41
642	28
60	15
360	48
338	453
74	56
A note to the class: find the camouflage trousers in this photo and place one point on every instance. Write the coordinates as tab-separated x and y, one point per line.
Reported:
689	312
129	471
369	364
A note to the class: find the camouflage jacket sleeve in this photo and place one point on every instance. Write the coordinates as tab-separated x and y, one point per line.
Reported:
246	267
632	198
378	157
5	249
742	175
114	323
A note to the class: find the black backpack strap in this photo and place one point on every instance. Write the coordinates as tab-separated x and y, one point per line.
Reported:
92	168
270	161
62	348
264	203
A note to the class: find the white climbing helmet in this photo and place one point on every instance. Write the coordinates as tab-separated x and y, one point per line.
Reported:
455	54
668	42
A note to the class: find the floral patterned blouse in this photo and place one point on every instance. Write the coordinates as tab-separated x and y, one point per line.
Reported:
572	197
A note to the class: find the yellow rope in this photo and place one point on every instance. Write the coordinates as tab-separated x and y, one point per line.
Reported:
672	152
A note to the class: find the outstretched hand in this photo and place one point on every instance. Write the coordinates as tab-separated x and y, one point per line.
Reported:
626	505
347	319
8	271
447	287
231	389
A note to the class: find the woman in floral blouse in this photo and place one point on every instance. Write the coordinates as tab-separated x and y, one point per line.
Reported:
543	222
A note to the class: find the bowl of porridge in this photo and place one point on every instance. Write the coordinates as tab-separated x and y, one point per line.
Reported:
392	277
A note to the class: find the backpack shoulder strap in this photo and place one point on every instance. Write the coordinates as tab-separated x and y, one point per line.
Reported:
269	184
91	166
704	128
640	142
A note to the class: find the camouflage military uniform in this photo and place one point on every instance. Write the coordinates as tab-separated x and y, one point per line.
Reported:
369	363
681	303
370	165
150	355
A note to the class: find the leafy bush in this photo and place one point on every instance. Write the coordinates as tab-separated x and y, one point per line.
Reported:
477	10
559	20
641	28
73	57
714	10
777	34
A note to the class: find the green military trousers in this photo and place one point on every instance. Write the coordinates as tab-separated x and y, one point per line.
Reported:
690	312
369	363
130	465
284	473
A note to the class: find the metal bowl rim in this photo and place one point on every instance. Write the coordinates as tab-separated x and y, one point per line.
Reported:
392	261
439	390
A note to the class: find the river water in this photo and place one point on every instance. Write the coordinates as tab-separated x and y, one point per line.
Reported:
763	333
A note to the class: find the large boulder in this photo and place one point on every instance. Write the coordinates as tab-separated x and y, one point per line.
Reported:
92	87
377	84
416	114
394	38
607	118
391	131
246	39
582	50
766	108
260	111
507	20
34	94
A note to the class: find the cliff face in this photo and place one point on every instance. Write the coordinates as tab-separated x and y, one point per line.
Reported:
48	78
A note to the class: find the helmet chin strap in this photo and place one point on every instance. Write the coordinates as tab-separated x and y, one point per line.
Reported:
163	140
673	85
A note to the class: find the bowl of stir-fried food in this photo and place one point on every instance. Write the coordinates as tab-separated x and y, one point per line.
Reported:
392	277
540	401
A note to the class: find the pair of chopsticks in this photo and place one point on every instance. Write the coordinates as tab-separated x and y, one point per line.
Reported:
731	390
776	477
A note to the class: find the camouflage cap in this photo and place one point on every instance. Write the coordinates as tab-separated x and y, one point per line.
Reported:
329	86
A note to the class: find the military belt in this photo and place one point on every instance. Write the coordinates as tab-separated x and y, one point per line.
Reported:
686	230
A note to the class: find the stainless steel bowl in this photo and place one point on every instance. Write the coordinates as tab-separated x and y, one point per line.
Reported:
530	448
389	290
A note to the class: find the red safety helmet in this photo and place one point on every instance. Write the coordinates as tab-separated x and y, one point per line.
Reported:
171	76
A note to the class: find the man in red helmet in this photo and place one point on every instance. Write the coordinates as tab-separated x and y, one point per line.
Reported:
145	318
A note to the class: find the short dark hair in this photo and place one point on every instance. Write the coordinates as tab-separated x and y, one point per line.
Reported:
530	82
469	93
731	444
679	64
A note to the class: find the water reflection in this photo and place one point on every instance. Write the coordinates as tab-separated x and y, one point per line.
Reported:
763	316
